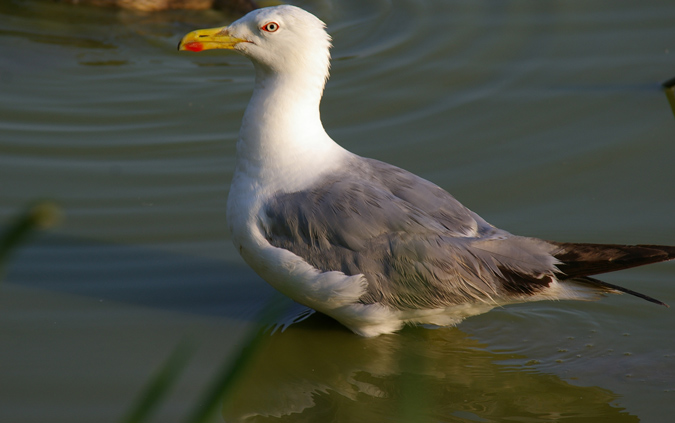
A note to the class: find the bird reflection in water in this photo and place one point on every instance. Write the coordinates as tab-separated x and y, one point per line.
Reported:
318	371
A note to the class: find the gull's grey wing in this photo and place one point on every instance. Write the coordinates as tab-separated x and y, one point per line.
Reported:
431	199
417	246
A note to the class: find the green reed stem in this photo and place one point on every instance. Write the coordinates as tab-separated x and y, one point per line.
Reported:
41	215
669	88
158	387
231	371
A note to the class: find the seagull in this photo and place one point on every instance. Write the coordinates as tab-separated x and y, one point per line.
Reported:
369	244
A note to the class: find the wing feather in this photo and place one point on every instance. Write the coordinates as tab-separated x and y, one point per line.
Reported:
416	245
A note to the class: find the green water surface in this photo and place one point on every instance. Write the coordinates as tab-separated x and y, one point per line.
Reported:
545	117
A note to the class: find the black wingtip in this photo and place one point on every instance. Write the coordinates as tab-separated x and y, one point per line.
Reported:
652	300
583	259
603	284
643	296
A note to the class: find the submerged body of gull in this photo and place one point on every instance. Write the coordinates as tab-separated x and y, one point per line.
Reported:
365	242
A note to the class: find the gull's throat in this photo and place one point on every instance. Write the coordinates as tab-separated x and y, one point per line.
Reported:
282	138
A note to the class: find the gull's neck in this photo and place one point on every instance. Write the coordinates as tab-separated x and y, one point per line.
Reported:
282	143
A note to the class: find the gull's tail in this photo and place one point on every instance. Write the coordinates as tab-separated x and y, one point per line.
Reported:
578	261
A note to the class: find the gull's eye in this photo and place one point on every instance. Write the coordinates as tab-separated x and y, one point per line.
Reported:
270	27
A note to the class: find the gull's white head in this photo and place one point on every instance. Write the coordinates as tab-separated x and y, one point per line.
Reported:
281	40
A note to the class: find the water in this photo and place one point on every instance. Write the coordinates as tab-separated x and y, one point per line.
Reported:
544	117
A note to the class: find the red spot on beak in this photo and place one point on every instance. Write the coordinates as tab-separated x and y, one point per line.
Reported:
194	46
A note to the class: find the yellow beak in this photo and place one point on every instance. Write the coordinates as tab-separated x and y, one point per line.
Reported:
209	39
